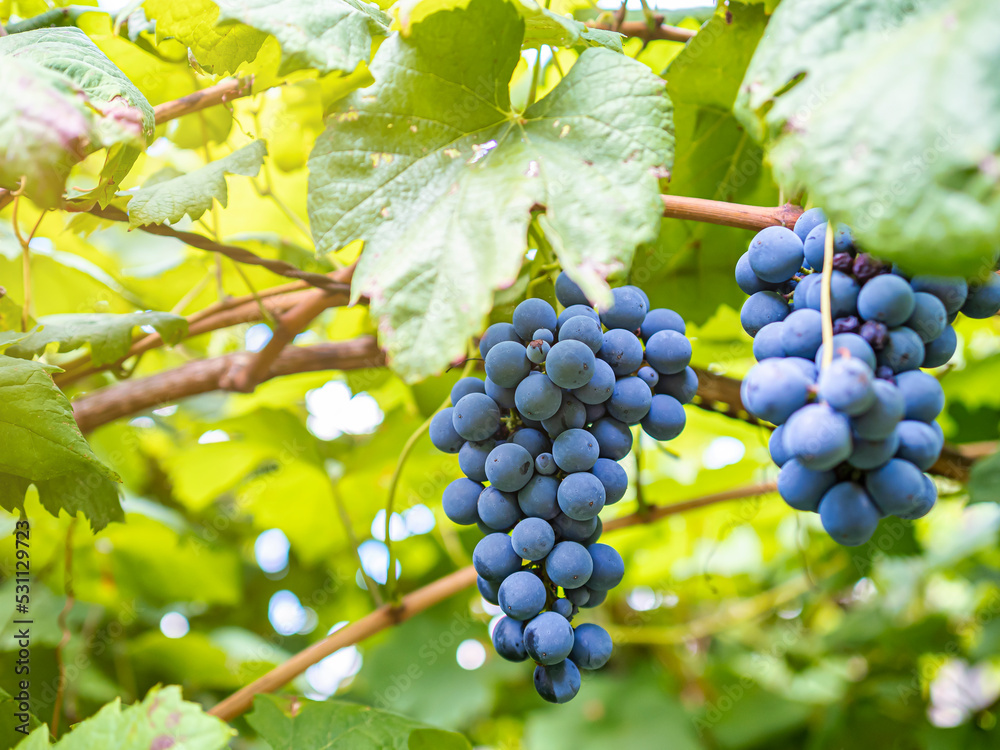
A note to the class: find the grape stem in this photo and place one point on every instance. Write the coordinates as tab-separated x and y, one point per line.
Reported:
825	303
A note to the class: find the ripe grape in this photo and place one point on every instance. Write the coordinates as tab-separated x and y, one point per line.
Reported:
627	311
747	280
568	293
630	400
533	538
613	477
509	467
571	530
544	334
762	308
498	510
507	363
570	364
870	454
682	385
919	443
569	565
895	487
767	342
951	291
776	447
472	459
575	450
545	463
803	488
443	434
494	557
649	376
531	315
476	416
669	352
984	298
557	683
854	345
848	514
600	387
494	335
563	607
774	390
609	568
807	221
537	397
548	638
537	351
508	639
776	254
665	421
881	418
489	590
941	349
818	436
532	441
922	395
460	501
503	397
522	595
575	310
465	386
801	334
661	319
847	386
585	329
903	351
613	437
591	646
538	497
888	299
622	350
929	317
581	496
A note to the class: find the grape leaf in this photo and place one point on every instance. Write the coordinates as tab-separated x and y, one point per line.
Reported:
918	181
328	36
433	169
983	480
163	720
167	201
544	26
41	444
109	336
336	725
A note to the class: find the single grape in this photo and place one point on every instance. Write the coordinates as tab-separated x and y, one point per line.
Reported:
494	335
929	317
614	438
537	499
574	531
600	387
507	364
818	436
575	450
531	315
570	364
747	280
489	590
557	683
443	434
895	487
888	299
865	267
668	352
903	351
498	510
573	311
472	459
532	440
591	646
583	328
807	368
571	415
939	351
665	421
767	342
508	468
801	334
522	595
803	488
548	638
870	454
774	390
762	308
922	395
814	245
775	254
881	418
579	596
855	347
952	291
924	503
465	386
595	598
847	386
919	443
630	400
595	411
850	324
544	334
609	568
533	539
640	292
568	293
569	565
984	298
627	311
508	639
661	319
622	350
776	447
848	514
460	501
581	496
800	299
613	477
563	607
503	397
843	295
537	351
875	333
808	220
683	385
494	558
649	376
545	464
537	397
843	262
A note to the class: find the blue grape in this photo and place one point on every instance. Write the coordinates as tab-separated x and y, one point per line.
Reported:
775	254
848	514
569	565
923	504
613	436
939	351
888	299
522	595
665	421
595	598
533	539
508	639
613	477
919	443
575	450
818	437
572	414
807	368
683	386
609	568
507	363
585	329
537	397
747	280
600	387
494	558
498	510
952	291
661	319
504	397
870	454
545	463
537	351
581	496
774	390
596	534
627	311
622	350
776	447
548	638
574	531
814	245
801	297
843	295
508	468
855	346
630	400
807	221
568	293
489	590
570	364
472	459
579	596
984	298
903	351
573	311
443	434
595	411
929	317
532	441
563	607
531	315
544	334
640	292
557	683
803	488
649	376
896	487
847	386
460	501
465	386
922	395
494	335
801	334
668	352
762	308
537	499
883	415
767	342
591	646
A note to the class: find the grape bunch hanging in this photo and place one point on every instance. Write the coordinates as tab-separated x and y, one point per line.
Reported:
546	431
853	439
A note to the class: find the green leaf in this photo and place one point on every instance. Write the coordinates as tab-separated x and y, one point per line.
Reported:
433	169
335	725
544	26
109	336
328	36
984	480
167	201
41	444
162	720
9	722
921	126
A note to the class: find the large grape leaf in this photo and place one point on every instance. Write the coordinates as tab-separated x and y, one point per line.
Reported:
888	114
163	720
109	335
432	168
336	725
328	36
167	201
41	444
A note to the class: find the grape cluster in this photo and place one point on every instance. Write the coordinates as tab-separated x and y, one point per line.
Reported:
854	439
546	431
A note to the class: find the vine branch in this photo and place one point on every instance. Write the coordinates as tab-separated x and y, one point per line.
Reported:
642	30
220	93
